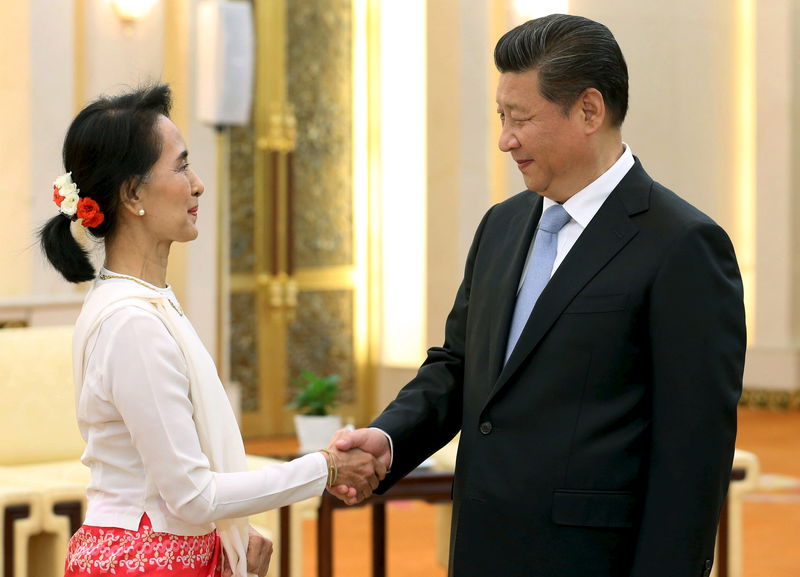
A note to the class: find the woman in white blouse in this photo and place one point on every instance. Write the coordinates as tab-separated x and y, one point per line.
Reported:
169	491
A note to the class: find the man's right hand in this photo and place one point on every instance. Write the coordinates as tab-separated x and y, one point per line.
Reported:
369	440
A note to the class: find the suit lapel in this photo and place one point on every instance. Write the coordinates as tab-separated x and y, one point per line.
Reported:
517	245
608	232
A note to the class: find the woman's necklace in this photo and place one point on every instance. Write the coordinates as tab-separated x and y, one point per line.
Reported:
175	306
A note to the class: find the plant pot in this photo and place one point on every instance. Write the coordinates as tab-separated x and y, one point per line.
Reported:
315	432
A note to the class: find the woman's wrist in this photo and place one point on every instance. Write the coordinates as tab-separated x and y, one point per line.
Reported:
333	469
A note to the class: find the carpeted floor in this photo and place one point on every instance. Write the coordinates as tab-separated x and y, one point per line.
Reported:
771	532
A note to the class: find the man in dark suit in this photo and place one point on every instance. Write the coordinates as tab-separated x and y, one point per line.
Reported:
597	431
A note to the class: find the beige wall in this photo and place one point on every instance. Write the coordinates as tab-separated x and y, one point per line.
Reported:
774	360
50	65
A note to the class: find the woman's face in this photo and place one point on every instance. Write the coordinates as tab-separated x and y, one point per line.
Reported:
170	194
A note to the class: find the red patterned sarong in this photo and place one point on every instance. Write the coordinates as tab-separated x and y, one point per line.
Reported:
101	551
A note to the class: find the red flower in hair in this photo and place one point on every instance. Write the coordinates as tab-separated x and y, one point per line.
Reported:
90	212
57	198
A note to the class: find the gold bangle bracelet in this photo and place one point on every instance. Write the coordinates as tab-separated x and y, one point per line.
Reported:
333	470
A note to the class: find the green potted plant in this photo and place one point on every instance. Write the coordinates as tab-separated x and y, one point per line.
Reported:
314	399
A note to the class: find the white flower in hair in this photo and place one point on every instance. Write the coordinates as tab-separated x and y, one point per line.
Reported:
69	205
63	180
65	194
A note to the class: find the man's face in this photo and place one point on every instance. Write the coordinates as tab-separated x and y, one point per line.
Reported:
550	148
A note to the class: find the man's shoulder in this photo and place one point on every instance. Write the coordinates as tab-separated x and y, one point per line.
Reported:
642	195
667	204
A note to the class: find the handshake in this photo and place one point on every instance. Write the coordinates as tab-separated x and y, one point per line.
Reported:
359	459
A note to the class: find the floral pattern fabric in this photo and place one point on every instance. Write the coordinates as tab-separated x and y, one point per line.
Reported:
103	551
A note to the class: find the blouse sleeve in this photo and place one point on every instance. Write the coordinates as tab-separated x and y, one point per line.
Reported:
145	377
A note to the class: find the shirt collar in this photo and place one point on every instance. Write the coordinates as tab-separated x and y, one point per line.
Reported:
583	205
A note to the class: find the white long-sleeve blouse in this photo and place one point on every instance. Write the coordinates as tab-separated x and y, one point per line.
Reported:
135	414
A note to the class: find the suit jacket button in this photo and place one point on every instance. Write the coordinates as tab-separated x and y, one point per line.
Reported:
486	427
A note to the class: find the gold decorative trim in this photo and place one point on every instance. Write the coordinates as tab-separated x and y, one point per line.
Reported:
176	59
222	257
79	55
366	175
770	399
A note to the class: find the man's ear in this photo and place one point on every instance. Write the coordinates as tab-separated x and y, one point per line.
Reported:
129	195
592	109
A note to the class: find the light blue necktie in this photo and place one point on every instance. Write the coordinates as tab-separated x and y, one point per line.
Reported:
540	267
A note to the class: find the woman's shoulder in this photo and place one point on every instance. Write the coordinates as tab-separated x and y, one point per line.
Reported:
135	312
132	319
106	302
133	326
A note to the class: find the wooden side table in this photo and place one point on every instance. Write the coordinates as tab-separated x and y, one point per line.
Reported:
421	484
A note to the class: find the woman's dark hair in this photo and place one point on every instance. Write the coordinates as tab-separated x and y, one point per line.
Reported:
112	141
571	54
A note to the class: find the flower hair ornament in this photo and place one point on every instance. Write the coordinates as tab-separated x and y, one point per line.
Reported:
71	205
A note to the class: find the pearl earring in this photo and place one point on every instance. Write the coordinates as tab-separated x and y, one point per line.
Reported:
141	212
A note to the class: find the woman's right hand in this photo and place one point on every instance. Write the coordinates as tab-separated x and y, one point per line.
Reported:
358	470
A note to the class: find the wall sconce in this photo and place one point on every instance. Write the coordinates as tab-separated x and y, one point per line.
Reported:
132	10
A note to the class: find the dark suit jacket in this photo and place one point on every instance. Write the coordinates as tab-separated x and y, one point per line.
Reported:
603	448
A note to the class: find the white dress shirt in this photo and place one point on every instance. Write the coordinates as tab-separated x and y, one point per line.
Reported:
135	414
